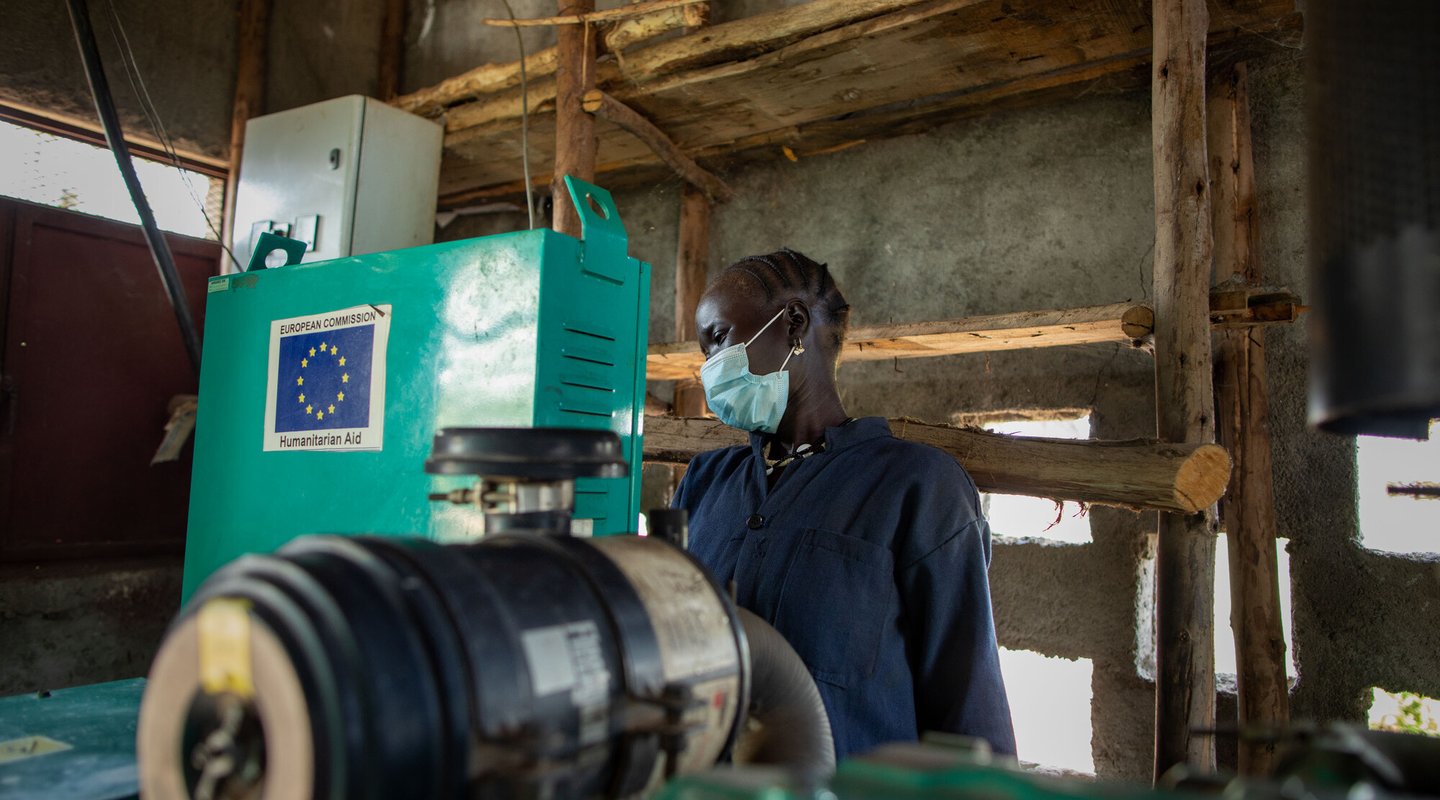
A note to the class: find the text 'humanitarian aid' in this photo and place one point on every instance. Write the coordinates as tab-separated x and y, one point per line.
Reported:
326	380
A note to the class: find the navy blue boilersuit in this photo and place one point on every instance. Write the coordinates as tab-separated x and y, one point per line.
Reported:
871	559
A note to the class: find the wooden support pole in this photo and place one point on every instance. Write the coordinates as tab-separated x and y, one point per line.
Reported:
575	142
254	25
1133	474
1184	400
1244	419
692	272
611	110
692	261
392	49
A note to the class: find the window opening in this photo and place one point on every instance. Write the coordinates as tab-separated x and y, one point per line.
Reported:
1050	707
1226	663
55	171
1398	523
1016	516
1225	660
1404	712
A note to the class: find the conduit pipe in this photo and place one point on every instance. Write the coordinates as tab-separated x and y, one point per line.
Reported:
788	725
159	248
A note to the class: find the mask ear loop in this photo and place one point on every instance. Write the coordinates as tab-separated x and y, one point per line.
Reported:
764	328
794	351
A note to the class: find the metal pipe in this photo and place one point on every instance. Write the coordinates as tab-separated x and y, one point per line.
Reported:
159	248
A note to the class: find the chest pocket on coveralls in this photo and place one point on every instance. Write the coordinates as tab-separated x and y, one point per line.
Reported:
835	601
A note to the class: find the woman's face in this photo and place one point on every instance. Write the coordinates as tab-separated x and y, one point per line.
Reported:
731	313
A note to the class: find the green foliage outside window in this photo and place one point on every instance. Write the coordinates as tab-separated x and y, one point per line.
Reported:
1412	717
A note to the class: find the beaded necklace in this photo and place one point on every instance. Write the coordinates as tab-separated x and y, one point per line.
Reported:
800	453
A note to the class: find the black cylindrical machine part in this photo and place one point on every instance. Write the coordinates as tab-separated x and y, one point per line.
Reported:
522	666
1374	139
671	525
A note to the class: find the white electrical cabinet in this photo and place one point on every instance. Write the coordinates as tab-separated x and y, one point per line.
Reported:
348	176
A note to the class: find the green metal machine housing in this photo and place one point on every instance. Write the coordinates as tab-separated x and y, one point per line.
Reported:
522	329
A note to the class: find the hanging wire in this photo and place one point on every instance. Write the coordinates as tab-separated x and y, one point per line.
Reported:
152	115
524	118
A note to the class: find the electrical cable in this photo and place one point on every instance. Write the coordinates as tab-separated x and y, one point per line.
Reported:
152	115
524	118
159	248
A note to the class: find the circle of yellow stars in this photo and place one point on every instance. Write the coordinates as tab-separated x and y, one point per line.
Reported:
316	407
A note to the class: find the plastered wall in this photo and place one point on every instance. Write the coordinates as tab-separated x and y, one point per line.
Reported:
185	53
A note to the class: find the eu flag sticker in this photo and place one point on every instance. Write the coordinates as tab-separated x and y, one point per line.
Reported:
326	382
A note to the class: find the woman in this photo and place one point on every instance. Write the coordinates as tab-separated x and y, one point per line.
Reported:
868	553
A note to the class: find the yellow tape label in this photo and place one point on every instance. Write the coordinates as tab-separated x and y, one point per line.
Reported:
224	632
29	747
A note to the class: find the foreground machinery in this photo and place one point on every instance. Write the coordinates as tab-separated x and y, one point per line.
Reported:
531	664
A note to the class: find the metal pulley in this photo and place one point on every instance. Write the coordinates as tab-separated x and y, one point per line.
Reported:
525	476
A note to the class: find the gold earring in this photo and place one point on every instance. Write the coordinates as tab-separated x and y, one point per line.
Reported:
797	347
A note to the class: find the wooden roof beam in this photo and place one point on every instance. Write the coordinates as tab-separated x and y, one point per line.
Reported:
763	82
490	78
611	110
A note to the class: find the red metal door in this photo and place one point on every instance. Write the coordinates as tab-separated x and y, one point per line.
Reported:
92	357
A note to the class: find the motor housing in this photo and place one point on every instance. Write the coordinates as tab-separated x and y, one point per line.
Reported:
523	666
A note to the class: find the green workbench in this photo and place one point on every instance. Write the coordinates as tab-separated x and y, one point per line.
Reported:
70	743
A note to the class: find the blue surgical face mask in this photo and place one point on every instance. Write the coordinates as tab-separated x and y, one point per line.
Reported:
740	398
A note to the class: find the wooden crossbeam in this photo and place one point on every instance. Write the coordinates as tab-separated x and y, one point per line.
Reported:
1231	306
1025	329
1140	474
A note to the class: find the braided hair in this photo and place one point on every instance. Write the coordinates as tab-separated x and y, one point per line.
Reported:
788	272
